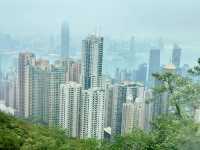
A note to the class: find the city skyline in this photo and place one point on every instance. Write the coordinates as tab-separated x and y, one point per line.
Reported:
100	74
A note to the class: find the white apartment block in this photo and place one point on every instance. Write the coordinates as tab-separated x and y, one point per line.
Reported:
92	114
70	97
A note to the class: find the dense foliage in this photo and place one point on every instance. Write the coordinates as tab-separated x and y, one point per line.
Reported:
167	133
17	134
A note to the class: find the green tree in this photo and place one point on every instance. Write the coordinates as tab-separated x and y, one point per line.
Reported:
183	94
196	69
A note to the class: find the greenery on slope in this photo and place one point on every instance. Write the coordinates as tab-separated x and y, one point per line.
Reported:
18	134
168	134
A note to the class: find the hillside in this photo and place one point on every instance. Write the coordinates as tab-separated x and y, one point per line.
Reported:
18	134
168	133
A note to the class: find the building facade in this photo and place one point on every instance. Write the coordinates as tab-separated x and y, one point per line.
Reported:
56	77
92	60
92	114
24	60
119	97
70	98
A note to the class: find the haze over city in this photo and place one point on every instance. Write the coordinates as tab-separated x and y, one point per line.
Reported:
169	18
172	21
100	75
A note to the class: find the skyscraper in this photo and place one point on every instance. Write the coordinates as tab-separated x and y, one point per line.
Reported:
24	60
133	91
73	71
36	91
139	113
56	77
154	64
141	73
119	97
92	110
65	40
70	97
176	56
127	118
92	59
108	104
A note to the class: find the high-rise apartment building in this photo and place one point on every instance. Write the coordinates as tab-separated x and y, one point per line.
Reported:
134	116
134	90
92	110
56	77
4	91
12	93
70	98
127	118
131	110
92	59
65	40
36	91
108	104
8	90
139	113
74	71
24	60
119	97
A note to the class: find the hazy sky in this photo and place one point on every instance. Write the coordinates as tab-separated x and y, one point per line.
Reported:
178	19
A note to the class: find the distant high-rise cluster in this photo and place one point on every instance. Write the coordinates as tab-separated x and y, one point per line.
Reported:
67	94
75	94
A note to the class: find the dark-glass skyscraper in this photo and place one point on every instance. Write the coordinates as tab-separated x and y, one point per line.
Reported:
154	64
92	59
176	56
141	73
65	40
